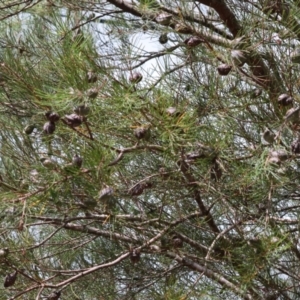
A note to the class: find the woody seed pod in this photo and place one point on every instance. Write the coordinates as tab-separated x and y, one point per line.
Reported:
163	19
52	116
4	252
177	242
193	41
29	129
293	115
10	279
182	28
142	133
135	77
224	69
285	100
49	127
92	93
136	190
106	193
77	161
163	39
135	255
91	77
269	136
73	120
54	296
295	147
295	56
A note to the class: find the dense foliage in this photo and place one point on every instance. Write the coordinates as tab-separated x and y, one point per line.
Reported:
149	149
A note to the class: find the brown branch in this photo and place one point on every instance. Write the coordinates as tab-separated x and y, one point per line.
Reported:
210	274
225	14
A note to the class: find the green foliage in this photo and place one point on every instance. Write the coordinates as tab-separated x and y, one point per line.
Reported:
179	195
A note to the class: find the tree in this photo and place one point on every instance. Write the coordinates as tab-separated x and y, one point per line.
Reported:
149	149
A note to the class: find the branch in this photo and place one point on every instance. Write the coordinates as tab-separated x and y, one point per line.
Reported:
210	274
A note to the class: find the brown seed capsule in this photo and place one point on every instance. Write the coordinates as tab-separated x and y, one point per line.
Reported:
285	100
10	279
49	127
182	28
106	193
295	147
177	242
295	56
73	120
135	255
54	296
193	41
293	115
77	161
163	39
135	77
163	19
136	190
91	77
224	69
142	133
92	93
277	156
52	116
29	129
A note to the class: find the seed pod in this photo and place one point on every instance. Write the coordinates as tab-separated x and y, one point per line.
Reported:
277	156
295	56
82	110
224	69
135	255
163	19
135	77
106	193
269	136
193	41
49	127
4	252
91	77
177	242
136	190
295	147
106	196
285	100
163	39
29	129
10	279
48	163
92	93
54	296
142	133
52	116
77	161
182	28
293	115
238	57
73	120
